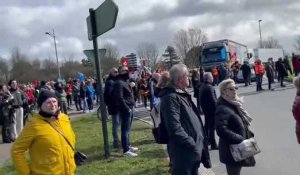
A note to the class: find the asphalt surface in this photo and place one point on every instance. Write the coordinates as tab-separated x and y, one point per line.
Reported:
273	126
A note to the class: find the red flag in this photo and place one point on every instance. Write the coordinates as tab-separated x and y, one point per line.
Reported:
124	61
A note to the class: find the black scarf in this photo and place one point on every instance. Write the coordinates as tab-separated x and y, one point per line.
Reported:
49	115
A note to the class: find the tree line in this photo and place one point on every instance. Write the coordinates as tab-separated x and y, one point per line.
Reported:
185	47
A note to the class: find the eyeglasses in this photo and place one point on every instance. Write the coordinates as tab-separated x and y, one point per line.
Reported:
233	88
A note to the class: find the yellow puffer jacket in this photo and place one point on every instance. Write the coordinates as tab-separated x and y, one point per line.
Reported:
48	150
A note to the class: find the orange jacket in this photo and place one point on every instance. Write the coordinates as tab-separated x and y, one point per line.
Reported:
259	68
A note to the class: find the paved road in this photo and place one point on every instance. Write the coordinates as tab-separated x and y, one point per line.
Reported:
273	126
274	130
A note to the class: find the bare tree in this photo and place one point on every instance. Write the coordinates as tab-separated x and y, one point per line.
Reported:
4	70
112	51
193	57
21	66
271	43
110	59
16	55
36	64
185	40
297	45
148	51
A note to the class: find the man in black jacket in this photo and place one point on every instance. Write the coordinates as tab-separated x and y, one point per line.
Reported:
269	73
187	147
208	101
246	70
110	102
125	103
282	72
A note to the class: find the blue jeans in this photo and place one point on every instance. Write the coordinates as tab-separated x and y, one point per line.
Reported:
126	121
115	126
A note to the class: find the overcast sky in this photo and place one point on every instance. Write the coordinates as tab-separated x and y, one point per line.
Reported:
24	23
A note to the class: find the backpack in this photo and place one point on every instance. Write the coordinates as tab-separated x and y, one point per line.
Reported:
159	130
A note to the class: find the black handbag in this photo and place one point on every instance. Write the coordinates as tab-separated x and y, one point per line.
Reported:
79	157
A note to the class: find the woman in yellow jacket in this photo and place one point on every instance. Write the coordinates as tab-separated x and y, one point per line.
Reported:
48	150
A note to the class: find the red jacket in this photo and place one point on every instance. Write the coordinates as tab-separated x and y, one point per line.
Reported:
30	96
296	113
69	89
259	69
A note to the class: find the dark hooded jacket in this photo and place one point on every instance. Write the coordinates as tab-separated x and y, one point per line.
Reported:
208	99
109	99
123	95
184	127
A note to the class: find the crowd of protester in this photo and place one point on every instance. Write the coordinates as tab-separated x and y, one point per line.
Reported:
243	72
189	138
17	101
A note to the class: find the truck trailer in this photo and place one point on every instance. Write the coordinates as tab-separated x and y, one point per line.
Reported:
220	52
265	53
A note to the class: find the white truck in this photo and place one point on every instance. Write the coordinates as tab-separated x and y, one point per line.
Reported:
265	53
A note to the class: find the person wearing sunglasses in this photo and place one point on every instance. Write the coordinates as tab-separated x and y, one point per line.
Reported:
125	102
232	122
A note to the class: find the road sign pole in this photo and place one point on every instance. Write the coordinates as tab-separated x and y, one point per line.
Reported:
99	82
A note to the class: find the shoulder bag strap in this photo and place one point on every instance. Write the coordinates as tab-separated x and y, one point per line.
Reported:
61	134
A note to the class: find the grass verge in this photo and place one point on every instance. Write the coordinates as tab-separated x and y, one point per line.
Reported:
151	159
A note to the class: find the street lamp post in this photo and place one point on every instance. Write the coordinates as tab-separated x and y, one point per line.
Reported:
53	36
260	33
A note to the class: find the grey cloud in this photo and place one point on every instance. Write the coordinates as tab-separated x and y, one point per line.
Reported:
68	18
31	3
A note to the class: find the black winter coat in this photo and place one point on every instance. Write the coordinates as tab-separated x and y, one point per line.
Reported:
184	127
246	70
195	83
231	130
108	95
207	99
5	106
123	96
269	71
282	72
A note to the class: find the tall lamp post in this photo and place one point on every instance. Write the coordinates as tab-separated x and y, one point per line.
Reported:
53	36
261	45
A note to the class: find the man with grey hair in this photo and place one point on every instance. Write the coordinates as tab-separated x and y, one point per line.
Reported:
186	144
208	101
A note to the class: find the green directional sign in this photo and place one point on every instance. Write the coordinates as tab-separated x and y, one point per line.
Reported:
91	56
105	18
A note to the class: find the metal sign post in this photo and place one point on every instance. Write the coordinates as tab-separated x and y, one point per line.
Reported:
100	21
99	84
